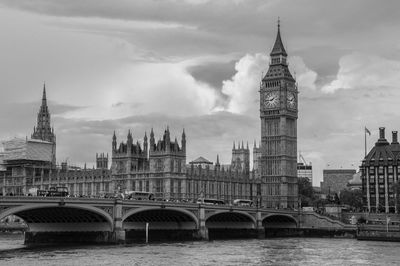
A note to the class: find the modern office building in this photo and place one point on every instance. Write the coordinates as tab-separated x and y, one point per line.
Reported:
305	171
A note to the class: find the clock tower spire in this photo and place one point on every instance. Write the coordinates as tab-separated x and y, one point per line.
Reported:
278	113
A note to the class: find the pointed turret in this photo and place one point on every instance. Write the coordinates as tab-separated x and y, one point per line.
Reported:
278	65
129	142
278	48
43	130
114	142
145	144
233	146
152	140
167	140
183	141
44	99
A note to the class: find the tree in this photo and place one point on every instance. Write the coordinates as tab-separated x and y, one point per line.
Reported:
396	193
353	198
306	192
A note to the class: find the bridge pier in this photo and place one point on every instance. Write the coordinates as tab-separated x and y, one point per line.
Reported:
202	232
118	235
259	227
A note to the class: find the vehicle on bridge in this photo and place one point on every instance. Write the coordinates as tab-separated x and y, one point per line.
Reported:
243	202
53	192
139	195
308	209
33	191
210	201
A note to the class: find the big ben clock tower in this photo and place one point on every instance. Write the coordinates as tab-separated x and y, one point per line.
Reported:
278	113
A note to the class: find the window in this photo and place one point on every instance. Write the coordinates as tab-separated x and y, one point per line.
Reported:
159	165
179	186
179	166
380	170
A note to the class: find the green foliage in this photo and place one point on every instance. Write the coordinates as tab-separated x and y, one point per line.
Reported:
306	192
353	198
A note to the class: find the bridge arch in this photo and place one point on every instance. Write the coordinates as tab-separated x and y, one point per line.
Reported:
279	220
167	218
231	219
50	214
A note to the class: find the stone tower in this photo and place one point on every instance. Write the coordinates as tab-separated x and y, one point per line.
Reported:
256	160
278	113
101	161
166	156
43	131
241	158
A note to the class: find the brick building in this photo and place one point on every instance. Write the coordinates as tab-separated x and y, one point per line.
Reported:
380	171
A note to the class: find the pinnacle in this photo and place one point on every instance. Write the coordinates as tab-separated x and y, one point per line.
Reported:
278	46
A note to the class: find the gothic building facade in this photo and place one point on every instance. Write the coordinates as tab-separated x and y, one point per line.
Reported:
159	166
43	130
278	112
241	158
156	166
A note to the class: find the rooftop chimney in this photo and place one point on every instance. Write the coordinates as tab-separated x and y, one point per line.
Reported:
381	133
381	141
394	137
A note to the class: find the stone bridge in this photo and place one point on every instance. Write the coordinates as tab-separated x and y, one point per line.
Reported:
114	220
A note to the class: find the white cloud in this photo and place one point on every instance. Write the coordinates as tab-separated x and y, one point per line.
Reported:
144	88
359	70
304	76
243	87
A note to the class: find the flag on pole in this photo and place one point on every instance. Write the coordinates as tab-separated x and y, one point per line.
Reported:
367	131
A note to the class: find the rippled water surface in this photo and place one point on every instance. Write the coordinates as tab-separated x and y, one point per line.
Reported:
280	251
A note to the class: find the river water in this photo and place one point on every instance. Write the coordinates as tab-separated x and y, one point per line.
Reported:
278	251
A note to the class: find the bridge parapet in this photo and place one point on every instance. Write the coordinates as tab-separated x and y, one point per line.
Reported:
115	216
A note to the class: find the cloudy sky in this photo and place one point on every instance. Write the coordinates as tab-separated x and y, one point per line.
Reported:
197	64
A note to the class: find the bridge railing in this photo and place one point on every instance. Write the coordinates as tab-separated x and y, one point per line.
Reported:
30	198
11	199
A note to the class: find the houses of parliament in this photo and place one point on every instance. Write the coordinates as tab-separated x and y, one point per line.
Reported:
160	166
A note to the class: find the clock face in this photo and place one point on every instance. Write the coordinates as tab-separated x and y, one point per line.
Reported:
291	100
271	99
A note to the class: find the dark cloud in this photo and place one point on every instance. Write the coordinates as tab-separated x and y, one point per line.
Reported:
213	73
319	31
326	63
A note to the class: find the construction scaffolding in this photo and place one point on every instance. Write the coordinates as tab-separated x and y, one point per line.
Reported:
26	149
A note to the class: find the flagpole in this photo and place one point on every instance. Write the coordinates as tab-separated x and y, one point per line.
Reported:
365	142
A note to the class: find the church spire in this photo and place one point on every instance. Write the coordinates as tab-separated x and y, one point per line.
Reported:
43	130
44	99
278	48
